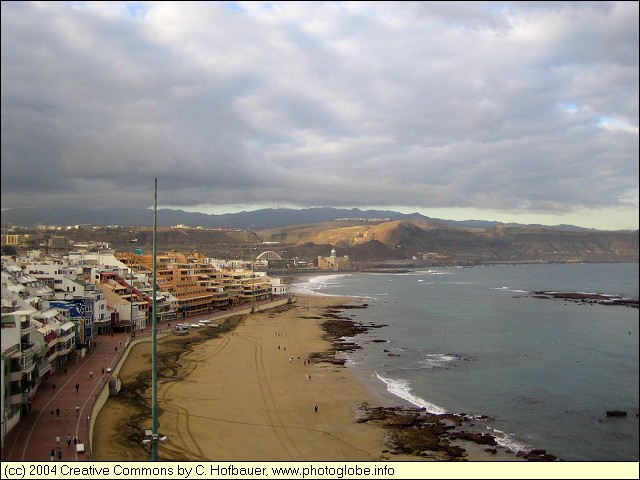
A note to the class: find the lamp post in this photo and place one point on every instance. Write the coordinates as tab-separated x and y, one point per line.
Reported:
133	326
253	280
284	262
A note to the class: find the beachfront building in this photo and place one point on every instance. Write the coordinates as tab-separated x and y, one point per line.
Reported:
333	262
10	373
20	354
130	310
256	286
279	287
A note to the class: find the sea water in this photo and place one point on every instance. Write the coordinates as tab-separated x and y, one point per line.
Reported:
475	341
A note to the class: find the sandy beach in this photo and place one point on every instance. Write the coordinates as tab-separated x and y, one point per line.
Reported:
247	390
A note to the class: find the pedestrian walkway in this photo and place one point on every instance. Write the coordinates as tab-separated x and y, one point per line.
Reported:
33	438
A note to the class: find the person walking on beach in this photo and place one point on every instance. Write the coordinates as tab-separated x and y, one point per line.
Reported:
53	454
77	387
315	407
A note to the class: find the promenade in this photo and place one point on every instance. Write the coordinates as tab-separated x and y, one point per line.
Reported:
32	439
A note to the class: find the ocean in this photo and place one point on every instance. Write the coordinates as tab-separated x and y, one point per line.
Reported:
474	341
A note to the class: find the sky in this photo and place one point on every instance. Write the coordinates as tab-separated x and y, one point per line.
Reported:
520	112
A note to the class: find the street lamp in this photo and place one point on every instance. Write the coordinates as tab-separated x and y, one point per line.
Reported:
284	262
133	327
253	280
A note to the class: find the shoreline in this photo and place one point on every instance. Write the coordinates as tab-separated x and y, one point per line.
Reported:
233	393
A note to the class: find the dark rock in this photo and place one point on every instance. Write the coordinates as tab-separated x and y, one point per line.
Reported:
616	413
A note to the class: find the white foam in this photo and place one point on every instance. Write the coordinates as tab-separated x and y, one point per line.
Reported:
438	360
510	289
506	441
433	272
402	389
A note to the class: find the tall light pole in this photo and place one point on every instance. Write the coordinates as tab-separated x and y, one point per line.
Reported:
154	336
284	261
133	325
253	280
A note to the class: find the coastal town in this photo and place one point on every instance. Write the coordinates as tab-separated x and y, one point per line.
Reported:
72	316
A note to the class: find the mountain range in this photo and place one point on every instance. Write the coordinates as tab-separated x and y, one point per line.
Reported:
369	237
251	220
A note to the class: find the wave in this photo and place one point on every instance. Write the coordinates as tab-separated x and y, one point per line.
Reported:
432	272
510	289
441	360
505	440
314	285
402	389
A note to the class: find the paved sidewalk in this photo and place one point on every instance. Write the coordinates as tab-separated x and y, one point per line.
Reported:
32	439
35	435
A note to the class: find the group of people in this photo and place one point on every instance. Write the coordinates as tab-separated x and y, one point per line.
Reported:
57	452
57	413
306	361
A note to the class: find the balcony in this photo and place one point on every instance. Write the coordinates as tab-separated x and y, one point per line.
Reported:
26	327
15	399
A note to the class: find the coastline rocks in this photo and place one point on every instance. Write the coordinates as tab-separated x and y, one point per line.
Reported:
414	431
616	413
586	298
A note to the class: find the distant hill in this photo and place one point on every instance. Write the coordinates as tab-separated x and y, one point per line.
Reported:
371	242
421	239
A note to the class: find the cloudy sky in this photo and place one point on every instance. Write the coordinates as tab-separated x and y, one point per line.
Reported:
507	111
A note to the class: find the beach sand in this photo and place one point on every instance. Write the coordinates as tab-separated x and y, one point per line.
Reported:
244	391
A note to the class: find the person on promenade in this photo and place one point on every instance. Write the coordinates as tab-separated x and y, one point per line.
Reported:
75	441
54	386
66	414
68	439
77	409
58	440
53	454
77	387
90	374
58	413
60	453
